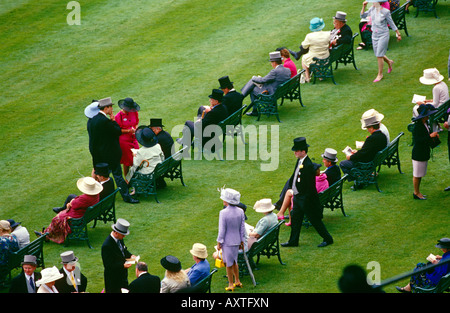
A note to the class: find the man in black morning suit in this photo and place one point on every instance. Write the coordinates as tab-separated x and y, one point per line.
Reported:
114	255
145	282
73	280
305	200
104	135
25	282
231	98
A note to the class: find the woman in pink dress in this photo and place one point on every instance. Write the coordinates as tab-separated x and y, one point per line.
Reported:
59	227
128	120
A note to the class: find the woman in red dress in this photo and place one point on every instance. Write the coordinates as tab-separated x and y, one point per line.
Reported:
59	227
128	120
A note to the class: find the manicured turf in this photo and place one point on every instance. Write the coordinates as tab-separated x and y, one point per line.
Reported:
168	55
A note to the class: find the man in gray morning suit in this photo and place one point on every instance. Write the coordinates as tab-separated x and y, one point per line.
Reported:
267	84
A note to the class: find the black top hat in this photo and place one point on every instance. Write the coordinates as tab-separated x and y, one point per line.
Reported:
424	110
171	263
101	169
129	105
146	137
216	94
156	122
443	243
225	82
13	223
299	144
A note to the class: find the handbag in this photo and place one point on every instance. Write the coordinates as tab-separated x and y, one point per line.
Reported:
219	262
435	141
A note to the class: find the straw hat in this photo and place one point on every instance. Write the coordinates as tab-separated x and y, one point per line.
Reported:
264	206
370	118
89	186
431	76
49	274
4	225
199	250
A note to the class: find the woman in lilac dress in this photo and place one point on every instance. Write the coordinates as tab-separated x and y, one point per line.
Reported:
231	234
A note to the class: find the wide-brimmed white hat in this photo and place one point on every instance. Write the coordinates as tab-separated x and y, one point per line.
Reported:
370	118
199	250
91	110
230	196
48	275
89	186
431	76
263	206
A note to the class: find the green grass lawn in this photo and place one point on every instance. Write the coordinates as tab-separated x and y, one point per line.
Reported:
167	56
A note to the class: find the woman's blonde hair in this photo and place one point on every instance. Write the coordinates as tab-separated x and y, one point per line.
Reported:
177	276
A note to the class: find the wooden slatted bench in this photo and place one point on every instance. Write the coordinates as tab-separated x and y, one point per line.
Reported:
145	184
268	104
268	245
367	173
36	248
323	68
104	210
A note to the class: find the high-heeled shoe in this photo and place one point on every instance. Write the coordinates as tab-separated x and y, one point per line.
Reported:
416	197
287	224
376	80
238	285
390	68
229	288
280	218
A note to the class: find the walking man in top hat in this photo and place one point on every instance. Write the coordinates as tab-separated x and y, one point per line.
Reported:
267	84
305	200
105	133
114	256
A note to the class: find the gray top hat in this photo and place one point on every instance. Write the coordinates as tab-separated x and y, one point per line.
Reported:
68	257
330	154
105	102
29	259
340	16
275	56
121	226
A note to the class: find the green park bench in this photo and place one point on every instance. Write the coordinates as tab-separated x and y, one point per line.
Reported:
267	245
104	210
323	68
442	286
268	104
366	173
145	184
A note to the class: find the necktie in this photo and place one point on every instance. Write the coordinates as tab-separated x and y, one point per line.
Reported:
31	283
119	242
72	279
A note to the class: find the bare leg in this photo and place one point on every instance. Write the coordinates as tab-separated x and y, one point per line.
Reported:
380	61
235	268
286	203
389	63
307	76
229	271
416	184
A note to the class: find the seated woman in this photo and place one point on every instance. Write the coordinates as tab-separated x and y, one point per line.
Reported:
430	278
75	208
175	279
287	62
150	154
317	42
268	221
321	185
8	244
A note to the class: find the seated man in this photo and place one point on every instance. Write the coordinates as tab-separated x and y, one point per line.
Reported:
206	116
342	33
164	138
201	268
231	98
375	142
267	84
101	173
333	171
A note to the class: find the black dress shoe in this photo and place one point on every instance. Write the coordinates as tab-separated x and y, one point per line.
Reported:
324	244
447	189
402	289
288	244
131	200
415	197
57	210
251	114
